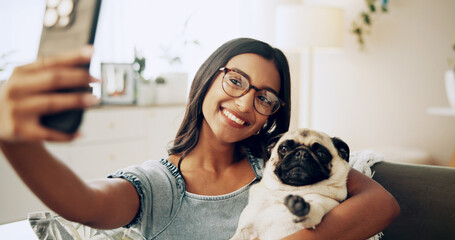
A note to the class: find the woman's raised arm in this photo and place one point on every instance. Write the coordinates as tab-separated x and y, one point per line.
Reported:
104	203
24	98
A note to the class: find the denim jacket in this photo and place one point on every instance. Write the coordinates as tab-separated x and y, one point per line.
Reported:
168	211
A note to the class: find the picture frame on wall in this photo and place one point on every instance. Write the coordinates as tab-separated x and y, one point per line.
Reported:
118	84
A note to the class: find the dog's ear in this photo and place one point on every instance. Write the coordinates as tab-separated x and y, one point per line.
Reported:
342	147
271	144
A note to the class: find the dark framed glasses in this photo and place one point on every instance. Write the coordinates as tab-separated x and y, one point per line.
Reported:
236	85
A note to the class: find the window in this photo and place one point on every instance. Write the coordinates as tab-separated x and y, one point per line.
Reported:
150	26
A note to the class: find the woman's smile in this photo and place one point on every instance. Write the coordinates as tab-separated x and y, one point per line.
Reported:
234	120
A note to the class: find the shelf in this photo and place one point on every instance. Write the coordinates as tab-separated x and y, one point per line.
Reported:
134	106
442	111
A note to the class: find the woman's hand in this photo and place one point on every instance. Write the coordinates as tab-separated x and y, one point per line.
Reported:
30	93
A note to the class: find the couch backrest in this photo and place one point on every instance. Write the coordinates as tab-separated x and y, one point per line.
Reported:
426	195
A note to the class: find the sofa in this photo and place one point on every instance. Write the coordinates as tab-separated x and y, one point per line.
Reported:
426	195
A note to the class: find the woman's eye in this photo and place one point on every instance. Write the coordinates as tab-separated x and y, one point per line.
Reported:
236	82
264	100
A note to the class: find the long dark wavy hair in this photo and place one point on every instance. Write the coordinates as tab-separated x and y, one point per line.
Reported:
188	135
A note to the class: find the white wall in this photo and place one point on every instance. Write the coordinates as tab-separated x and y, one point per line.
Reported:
380	97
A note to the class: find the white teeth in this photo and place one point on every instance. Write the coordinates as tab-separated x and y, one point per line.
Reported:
232	117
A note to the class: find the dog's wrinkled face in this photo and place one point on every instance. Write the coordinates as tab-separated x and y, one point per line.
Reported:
303	157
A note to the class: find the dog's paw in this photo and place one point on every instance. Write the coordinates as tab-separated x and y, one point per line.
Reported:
297	205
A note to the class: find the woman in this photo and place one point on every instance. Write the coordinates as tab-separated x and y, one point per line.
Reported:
240	97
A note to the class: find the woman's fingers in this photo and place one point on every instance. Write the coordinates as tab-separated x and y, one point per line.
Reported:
50	80
52	73
31	92
48	134
28	128
76	57
31	130
52	103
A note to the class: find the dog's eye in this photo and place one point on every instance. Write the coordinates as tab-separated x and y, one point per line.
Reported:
283	149
321	154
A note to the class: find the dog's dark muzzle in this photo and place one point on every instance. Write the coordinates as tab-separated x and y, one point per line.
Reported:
300	167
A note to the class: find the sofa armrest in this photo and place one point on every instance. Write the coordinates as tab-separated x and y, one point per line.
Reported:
426	195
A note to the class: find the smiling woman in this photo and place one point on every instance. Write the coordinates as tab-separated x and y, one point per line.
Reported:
199	188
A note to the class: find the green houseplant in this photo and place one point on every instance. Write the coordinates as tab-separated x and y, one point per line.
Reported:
145	88
171	52
451	61
364	22
172	82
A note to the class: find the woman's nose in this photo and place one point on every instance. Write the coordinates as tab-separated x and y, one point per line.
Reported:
245	102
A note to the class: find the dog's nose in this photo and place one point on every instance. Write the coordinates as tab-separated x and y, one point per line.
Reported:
301	154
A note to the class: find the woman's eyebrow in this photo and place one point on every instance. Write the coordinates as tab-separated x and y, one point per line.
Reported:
242	72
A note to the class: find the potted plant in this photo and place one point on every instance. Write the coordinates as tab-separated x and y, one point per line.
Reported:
145	88
172	51
172	84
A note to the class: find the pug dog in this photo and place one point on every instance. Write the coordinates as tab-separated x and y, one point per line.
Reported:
304	178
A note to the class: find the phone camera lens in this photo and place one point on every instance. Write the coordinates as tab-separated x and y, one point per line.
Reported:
50	17
63	21
52	3
65	8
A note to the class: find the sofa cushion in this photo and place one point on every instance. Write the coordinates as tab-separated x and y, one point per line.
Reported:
426	195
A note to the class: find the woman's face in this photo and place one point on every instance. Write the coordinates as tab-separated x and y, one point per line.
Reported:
232	119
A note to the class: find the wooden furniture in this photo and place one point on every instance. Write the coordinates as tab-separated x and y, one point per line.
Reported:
452	162
112	138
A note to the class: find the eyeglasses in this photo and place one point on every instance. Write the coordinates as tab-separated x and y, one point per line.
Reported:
236	85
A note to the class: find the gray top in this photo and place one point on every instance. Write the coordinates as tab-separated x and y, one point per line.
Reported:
168	211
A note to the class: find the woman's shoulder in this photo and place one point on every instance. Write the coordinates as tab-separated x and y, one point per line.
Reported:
162	167
155	172
160	188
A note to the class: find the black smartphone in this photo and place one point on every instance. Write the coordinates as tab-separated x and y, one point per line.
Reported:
67	24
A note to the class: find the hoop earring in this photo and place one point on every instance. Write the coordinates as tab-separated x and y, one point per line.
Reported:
259	131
